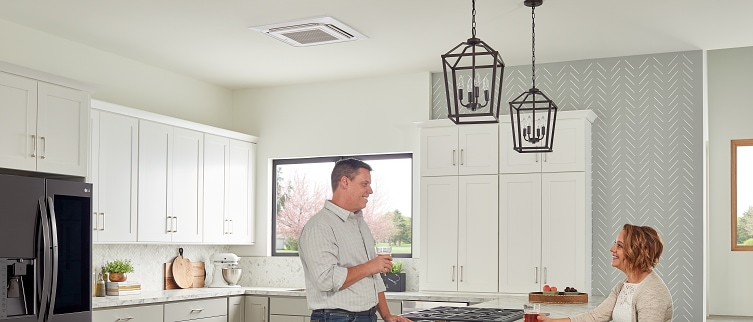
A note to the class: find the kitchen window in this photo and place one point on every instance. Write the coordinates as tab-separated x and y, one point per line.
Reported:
302	185
742	194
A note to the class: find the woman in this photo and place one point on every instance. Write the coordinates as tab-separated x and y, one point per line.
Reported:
642	296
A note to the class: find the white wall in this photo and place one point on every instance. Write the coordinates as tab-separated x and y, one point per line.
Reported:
118	80
360	116
730	111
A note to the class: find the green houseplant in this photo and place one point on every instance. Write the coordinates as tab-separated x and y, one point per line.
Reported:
395	279
117	269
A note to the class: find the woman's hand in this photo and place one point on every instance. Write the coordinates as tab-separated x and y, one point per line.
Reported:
543	317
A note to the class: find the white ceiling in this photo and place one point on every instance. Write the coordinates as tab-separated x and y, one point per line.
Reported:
210	40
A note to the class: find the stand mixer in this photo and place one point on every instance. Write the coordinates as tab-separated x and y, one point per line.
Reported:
226	272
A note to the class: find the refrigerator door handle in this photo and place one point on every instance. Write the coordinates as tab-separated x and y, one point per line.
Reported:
54	251
43	261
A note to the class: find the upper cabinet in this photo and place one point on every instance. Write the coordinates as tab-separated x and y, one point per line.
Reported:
570	152
162	180
44	126
228	190
114	175
170	183
448	149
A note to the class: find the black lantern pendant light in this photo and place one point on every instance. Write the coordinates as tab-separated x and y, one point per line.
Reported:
532	113
475	70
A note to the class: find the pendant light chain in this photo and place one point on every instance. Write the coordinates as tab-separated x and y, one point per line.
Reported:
473	20
533	46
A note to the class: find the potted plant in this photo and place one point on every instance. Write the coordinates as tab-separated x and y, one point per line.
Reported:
395	279
117	269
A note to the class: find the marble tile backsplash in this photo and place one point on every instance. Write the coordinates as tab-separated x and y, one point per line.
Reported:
286	271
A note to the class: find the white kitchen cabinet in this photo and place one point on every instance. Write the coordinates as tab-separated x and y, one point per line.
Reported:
228	190
170	183
257	309
571	151
236	309
545	231
145	313
459	233
114	174
211	309
45	127
449	149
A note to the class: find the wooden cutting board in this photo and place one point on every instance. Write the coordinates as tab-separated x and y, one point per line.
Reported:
197	270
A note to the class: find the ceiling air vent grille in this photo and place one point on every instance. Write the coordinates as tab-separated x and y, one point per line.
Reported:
316	31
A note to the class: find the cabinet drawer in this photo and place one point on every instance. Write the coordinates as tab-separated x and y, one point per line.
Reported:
190	310
130	314
289	306
212	319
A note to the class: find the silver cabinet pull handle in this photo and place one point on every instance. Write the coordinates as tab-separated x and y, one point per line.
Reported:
462	156
536	275
226	229
44	147
545	273
264	313
169	224
34	152
95	222
175	218
196	310
124	319
453	157
231	227
461	271
103	220
537	157
453	273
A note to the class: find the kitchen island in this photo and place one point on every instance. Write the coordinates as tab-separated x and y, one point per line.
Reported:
487	300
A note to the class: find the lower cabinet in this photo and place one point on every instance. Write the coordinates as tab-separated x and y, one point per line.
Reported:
257	309
200	309
145	313
236	309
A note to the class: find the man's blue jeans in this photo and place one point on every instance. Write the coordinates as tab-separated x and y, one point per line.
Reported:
340	316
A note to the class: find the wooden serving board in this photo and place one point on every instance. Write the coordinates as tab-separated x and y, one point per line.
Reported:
197	269
539	297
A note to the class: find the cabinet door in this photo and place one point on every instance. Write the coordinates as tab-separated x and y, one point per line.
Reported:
257	309
216	180
478	230
63	130
185	204
563	231
568	152
116	177
519	232
439	233
479	149
236	309
18	124
439	152
241	193
148	313
155	144
510	161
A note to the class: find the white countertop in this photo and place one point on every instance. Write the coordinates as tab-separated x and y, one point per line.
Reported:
492	300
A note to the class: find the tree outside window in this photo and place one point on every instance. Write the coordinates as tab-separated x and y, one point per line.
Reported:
302	185
742	194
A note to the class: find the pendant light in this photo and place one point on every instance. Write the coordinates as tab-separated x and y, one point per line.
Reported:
532	113
473	80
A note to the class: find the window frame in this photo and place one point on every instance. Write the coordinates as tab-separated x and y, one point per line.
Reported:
363	157
733	192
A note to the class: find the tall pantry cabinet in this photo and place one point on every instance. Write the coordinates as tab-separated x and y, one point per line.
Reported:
545	210
459	207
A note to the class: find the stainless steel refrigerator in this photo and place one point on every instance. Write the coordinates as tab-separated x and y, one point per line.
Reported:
45	250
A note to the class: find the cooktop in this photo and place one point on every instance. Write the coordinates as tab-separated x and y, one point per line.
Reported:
470	314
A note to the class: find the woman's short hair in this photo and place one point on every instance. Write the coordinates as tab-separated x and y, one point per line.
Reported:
643	247
347	167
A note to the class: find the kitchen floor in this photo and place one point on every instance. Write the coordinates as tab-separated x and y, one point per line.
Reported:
725	318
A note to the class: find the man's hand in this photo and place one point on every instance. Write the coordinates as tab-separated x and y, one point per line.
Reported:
381	264
395	318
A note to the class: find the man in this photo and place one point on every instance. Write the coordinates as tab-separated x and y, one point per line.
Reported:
338	256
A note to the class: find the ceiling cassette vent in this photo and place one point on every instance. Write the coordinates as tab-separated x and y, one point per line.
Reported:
310	32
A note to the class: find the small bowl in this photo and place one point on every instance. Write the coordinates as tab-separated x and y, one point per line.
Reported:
231	275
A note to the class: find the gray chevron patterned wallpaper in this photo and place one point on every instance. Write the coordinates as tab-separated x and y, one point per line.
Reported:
647	155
